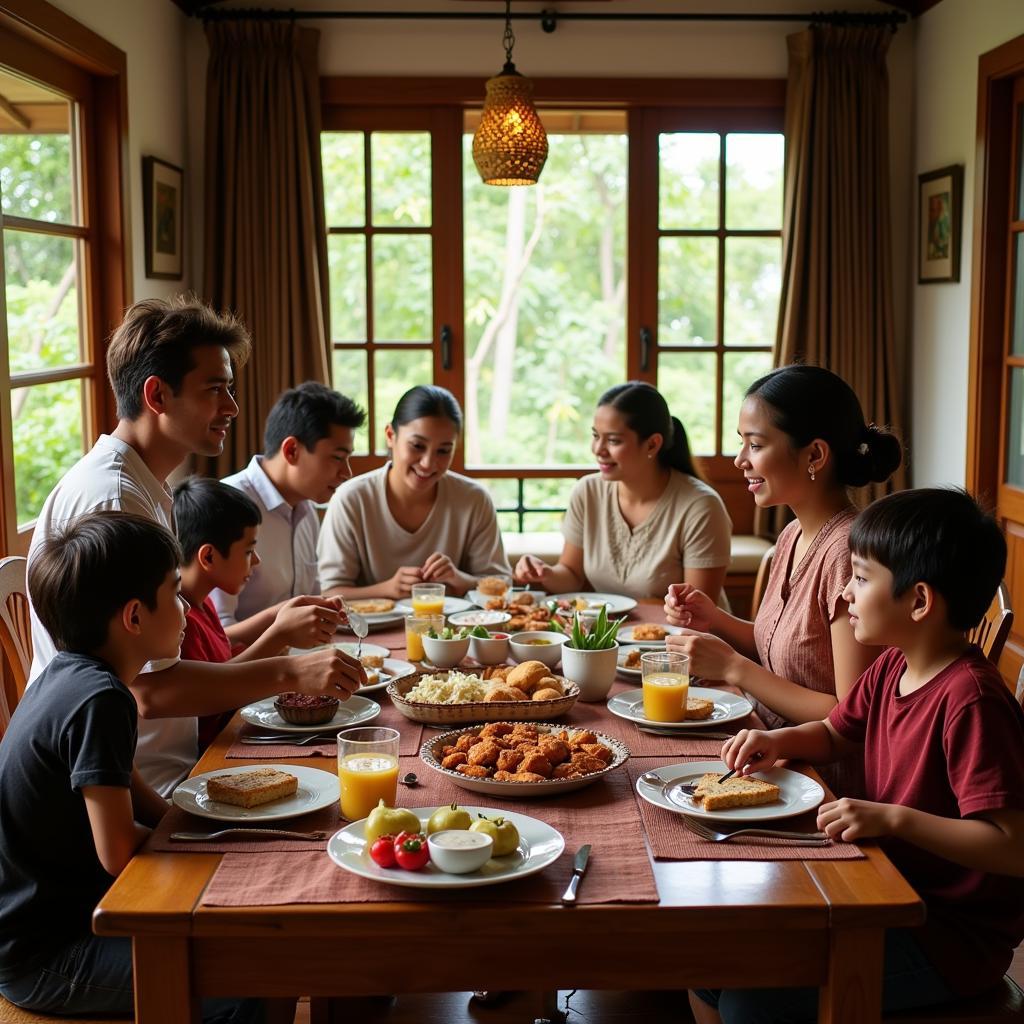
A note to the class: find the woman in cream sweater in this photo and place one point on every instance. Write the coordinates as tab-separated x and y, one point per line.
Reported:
411	521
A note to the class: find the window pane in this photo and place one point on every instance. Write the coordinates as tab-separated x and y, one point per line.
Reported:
349	377
346	263
37	172
547	493
1018	297
400	175
342	156
1015	441
47	441
741	369
753	280
544	302
403	288
688	173
43	324
504	492
395	372
687	291
687	380
753	181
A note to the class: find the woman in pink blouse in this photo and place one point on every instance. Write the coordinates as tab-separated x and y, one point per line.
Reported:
804	444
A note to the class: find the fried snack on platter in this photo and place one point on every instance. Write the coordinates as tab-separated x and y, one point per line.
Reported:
649	631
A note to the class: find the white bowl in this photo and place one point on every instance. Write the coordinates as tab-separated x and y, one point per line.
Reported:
445	653
462	859
492	650
549	653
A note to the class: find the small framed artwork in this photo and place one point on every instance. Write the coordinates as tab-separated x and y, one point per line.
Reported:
940	196
163	189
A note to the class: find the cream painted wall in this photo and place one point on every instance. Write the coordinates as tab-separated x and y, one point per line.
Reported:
152	35
950	38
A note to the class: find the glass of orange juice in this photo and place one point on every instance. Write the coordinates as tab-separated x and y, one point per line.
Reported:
367	770
666	683
415	627
428	599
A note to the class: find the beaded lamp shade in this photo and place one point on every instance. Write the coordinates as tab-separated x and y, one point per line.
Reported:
510	144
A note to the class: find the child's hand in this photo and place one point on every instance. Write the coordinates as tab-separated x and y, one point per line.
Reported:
307	621
687	606
710	657
751	750
531	569
328	671
850	820
400	585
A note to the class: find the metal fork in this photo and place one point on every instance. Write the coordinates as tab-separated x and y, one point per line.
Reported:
287	741
698	828
263	833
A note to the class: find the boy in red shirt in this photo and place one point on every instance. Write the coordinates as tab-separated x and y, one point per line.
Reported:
217	527
943	746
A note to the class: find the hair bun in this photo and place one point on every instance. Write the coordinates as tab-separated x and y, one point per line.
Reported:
875	459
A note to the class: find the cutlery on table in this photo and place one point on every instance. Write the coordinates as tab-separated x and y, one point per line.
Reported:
698	828
654	779
261	739
409	779
263	833
690	734
579	867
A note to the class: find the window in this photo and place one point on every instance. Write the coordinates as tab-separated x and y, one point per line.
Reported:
650	249
62	275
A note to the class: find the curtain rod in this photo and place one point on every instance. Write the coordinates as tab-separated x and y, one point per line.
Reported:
549	19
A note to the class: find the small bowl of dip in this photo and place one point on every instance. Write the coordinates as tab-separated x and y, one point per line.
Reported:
489	650
538	645
459	851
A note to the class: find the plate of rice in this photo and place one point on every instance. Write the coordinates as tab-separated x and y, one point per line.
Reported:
443	698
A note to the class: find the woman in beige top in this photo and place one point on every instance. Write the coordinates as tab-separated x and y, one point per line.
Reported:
804	443
645	519
412	521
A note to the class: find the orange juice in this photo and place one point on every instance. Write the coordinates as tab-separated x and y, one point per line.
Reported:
365	780
427	606
414	645
665	696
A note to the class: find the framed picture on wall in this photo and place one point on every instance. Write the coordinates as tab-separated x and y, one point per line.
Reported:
940	197
163	187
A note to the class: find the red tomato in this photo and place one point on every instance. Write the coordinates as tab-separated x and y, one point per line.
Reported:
382	851
411	851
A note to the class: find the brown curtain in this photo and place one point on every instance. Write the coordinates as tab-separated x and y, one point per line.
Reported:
265	241
836	305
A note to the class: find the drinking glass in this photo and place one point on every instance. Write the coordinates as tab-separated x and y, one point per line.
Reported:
428	598
666	683
367	769
415	627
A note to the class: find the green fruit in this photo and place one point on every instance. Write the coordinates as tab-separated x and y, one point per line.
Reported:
504	834
389	821
448	817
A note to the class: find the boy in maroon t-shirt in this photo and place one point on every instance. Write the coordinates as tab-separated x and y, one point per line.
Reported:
217	526
943	746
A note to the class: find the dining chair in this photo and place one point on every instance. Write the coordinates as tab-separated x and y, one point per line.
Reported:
761	580
990	634
15	638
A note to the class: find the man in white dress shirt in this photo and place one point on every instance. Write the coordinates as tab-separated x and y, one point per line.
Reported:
307	444
171	365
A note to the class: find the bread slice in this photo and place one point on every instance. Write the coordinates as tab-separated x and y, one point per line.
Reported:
734	792
250	789
372	605
698	708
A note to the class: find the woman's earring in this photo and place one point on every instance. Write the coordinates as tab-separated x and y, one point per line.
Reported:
810	469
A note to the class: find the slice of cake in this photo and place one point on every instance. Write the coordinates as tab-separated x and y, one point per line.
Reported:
734	792
698	708
252	788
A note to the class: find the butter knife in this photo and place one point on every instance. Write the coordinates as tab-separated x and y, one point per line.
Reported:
261	833
579	867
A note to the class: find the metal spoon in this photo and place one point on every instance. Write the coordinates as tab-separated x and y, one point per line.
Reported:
359	626
409	779
654	779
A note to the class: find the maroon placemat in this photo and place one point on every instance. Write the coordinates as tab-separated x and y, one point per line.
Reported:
604	815
670	840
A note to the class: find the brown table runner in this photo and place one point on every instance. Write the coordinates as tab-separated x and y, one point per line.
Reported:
670	840
619	870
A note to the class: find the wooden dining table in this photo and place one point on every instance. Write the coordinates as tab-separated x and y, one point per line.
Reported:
717	923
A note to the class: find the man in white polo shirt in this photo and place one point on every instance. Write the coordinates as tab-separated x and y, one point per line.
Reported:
171	365
307	444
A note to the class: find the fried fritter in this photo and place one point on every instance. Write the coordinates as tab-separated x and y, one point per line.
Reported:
474	771
454	760
508	760
486	752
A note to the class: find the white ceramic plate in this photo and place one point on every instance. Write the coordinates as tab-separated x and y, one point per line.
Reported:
476	617
451	606
539	846
728	707
317	789
615	603
378	619
625	635
354	711
520	790
347	648
799	793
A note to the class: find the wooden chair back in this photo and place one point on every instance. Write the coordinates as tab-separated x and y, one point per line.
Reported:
990	634
761	582
15	635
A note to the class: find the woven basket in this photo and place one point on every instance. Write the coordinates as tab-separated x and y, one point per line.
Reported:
480	711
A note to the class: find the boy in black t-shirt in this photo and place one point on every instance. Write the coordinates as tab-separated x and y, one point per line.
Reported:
72	808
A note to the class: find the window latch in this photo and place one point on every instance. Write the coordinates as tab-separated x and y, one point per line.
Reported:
446	347
645	349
